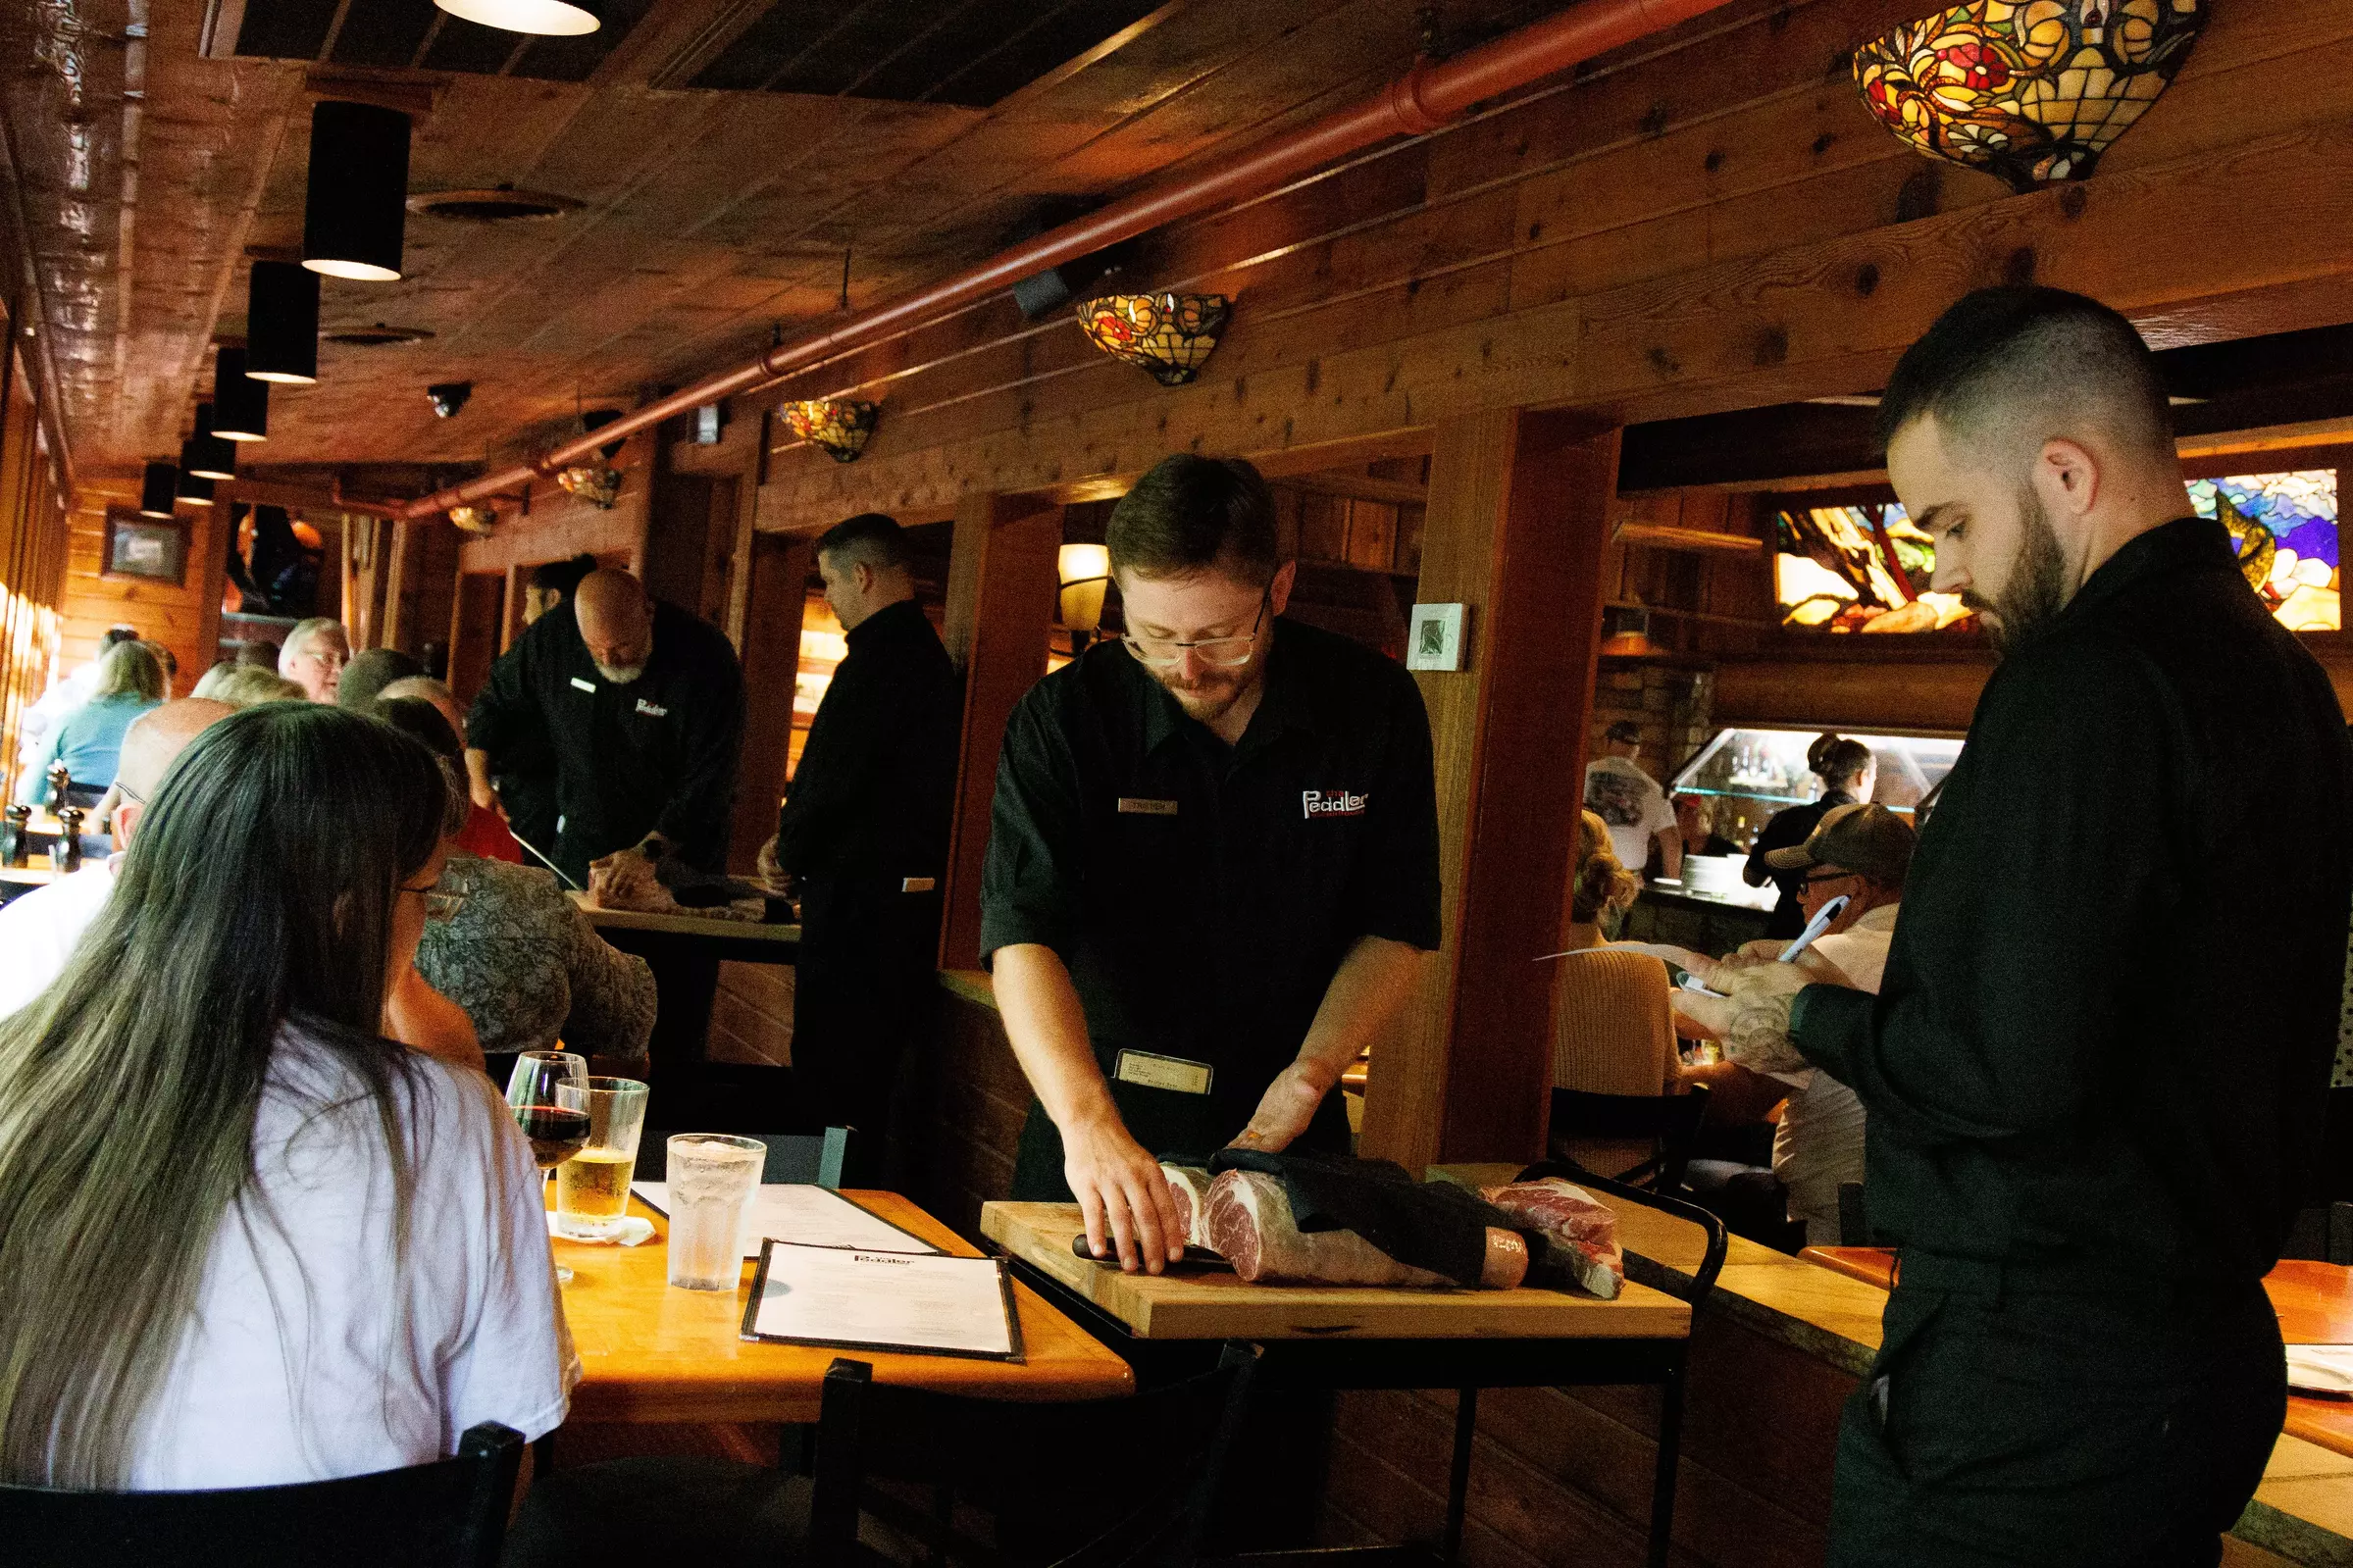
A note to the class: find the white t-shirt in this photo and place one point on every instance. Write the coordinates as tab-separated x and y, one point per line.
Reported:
1819	1142
38	931
312	1355
1631	804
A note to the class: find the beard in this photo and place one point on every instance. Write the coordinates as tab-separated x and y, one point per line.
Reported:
620	674
2036	588
1213	696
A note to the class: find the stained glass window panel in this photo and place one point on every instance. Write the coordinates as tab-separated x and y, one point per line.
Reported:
2285	528
1858	569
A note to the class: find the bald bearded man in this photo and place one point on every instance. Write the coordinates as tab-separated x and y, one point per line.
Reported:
642	706
38	931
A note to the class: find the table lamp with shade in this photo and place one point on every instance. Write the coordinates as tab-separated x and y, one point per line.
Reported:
1082	572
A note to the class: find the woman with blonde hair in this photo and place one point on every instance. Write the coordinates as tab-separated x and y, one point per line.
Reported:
244	1240
1614	1032
90	742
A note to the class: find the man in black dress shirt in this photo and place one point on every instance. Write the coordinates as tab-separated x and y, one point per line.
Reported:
1212	871
2096	1068
864	835
642	706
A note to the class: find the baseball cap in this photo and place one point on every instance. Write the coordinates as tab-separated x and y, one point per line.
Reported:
1625	732
1867	840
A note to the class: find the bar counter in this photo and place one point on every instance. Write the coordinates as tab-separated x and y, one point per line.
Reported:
2302	1513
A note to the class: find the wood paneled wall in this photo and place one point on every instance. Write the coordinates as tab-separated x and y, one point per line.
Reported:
33	554
184	617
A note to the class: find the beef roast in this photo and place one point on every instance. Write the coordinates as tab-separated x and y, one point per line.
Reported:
1189	1184
1250	1225
1579	1224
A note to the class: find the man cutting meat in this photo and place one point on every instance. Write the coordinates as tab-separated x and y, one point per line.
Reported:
1213	870
2096	1067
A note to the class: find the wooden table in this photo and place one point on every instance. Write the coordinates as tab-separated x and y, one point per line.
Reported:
2314	1301
1342	1337
741	941
651	1353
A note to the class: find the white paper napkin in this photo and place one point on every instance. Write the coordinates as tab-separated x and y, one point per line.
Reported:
2320	1368
635	1229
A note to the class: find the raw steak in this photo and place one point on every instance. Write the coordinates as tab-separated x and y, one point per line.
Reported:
1250	1225
1581	1224
1189	1184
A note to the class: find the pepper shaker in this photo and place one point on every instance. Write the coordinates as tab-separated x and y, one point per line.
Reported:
69	839
15	837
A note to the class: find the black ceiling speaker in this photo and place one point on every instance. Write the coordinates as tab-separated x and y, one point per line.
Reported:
1044	294
449	396
281	324
193	489
240	404
207	455
156	488
597	419
356	211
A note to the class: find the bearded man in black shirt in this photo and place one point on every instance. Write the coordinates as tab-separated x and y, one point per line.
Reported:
2097	1067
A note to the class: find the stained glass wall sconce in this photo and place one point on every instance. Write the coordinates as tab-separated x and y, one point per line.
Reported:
841	427
474	519
2033	92
1168	334
601	487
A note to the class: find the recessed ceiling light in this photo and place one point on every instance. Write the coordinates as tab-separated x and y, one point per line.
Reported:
502	205
555	18
377	335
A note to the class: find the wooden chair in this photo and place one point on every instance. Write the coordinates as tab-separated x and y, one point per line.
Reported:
808	1157
452	1512
1084	1484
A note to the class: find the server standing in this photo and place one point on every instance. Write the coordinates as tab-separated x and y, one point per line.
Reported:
2096	1068
1214	867
641	704
863	835
524	781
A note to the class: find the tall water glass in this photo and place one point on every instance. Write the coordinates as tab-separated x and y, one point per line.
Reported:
591	1188
711	1177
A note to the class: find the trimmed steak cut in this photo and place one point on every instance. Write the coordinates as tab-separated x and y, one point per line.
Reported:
1249	1224
1574	1219
1189	1184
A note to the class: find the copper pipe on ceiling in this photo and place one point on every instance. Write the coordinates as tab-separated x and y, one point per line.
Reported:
1425	99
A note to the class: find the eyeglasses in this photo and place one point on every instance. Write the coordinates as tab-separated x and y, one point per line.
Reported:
1223	653
1829	876
444	899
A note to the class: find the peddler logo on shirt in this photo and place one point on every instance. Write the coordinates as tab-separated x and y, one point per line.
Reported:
1331	803
653	710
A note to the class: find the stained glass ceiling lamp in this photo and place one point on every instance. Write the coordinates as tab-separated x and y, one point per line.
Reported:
474	519
205	454
1168	334
551	19
240	404
355	212
157	489
281	324
193	489
2032	92
841	427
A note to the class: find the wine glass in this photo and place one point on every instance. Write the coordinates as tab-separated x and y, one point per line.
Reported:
548	1092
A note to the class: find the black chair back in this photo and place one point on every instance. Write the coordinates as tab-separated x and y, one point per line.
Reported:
816	1156
1669	1123
452	1512
1089	1484
2324	1233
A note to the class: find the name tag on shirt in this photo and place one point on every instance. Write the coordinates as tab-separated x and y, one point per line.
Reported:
589	687
1172	1073
1131	806
918	884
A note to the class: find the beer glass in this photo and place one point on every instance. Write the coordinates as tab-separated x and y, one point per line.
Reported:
711	1177
591	1188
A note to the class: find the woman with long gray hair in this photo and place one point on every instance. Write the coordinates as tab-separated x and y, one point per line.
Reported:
243	1239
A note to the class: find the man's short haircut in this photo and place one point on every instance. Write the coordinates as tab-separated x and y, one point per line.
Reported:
118	634
369	671
298	639
870	539
562	576
2007	367
1190	513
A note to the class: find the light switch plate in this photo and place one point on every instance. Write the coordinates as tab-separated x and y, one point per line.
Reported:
1434	639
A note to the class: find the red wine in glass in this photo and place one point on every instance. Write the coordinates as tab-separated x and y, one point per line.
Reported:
556	1133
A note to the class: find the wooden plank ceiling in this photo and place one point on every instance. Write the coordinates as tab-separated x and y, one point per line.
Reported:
725	157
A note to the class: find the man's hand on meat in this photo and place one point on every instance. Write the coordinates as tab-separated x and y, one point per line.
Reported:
626	880
1122	1194
1288	1107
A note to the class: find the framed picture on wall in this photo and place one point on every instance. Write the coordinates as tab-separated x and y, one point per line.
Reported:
151	549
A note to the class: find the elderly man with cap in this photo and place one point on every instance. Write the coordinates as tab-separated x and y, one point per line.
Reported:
1860	852
1631	804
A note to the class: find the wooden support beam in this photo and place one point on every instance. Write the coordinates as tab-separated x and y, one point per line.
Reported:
1001	606
1517	531
779	567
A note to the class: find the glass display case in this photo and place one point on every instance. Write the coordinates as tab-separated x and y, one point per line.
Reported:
1753	773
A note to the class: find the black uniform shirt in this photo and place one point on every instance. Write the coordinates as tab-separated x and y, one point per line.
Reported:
1203	895
871	797
1786	830
2103	1040
659	753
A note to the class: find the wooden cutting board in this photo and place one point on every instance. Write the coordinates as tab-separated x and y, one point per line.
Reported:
1193	1303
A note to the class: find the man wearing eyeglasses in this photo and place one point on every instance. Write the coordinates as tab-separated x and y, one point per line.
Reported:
1214	871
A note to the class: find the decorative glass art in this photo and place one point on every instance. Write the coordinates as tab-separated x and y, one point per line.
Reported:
600	486
1168	334
1858	569
474	519
2285	525
840	427
2032	91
